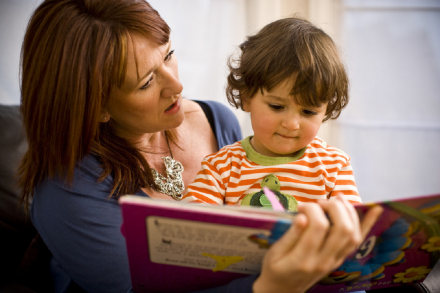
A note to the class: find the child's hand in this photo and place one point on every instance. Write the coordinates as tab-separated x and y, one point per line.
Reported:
312	248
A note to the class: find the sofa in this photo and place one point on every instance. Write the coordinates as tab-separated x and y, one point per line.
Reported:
18	237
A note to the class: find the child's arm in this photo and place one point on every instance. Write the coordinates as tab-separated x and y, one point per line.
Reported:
345	185
208	187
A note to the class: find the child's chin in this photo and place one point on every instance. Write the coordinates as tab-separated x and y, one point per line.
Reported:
286	154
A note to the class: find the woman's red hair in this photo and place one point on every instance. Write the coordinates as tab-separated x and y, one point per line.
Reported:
73	52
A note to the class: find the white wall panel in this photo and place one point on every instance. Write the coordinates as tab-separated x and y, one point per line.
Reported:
14	16
391	128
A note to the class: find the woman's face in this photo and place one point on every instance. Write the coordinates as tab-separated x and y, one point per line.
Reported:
149	99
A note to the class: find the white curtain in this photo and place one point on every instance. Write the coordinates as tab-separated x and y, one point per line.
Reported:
14	15
391	128
204	34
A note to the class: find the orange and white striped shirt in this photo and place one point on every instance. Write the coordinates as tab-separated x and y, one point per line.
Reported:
316	171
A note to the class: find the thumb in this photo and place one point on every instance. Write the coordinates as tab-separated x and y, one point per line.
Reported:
286	242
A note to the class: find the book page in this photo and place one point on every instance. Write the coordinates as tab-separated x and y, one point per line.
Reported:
207	246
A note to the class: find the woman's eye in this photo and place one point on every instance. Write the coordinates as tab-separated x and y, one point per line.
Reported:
169	55
145	86
276	107
309	112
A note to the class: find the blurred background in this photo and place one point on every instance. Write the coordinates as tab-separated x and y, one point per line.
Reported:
391	127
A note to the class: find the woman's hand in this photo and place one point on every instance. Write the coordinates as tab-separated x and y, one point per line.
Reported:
312	248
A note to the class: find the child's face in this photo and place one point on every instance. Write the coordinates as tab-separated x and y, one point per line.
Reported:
282	127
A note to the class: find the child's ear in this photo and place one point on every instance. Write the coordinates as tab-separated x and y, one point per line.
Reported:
245	104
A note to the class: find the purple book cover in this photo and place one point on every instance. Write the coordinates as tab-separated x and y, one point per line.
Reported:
175	247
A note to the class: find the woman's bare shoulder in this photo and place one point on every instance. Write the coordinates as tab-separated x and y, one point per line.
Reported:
194	113
197	122
195	134
191	106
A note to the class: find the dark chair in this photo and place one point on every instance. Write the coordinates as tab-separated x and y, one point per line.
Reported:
18	235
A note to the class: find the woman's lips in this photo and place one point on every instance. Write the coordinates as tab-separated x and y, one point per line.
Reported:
174	108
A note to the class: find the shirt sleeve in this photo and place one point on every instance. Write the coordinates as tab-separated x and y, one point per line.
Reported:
345	184
208	187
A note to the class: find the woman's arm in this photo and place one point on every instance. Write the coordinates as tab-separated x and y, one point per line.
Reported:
81	227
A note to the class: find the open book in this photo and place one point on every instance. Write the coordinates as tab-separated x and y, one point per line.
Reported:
181	247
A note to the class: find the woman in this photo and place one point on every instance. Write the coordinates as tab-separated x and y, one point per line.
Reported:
101	106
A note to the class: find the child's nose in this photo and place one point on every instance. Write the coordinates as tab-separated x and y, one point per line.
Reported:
291	123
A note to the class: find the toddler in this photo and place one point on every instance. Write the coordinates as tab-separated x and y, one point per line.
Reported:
290	78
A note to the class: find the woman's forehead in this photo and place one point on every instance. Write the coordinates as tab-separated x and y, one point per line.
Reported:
143	57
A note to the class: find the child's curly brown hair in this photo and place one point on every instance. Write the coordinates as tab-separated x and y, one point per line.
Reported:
288	48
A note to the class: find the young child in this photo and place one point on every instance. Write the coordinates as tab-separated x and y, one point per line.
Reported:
290	79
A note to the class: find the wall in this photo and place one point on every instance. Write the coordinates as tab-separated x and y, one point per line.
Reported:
14	16
391	128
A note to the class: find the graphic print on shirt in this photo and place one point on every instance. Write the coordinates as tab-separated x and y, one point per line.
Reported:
259	199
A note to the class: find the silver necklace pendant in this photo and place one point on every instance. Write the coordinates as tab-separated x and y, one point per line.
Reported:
172	184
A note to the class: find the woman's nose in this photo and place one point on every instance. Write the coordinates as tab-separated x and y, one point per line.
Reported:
171	84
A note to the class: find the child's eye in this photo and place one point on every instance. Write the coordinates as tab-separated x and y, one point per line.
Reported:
309	112
276	107
147	84
169	55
